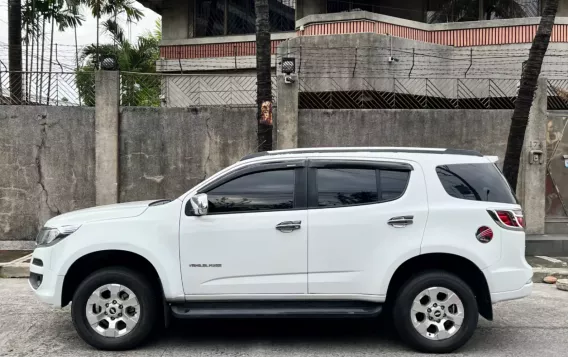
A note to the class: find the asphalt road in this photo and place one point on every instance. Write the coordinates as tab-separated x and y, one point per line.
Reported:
535	327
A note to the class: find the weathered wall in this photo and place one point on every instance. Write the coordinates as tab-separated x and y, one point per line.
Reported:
166	151
47	161
47	157
482	130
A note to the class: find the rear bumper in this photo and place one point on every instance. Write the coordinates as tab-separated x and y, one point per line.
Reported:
509	279
512	295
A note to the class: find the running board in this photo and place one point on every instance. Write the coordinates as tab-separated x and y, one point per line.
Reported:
275	309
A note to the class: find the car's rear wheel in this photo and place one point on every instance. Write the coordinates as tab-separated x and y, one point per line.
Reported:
114	309
435	312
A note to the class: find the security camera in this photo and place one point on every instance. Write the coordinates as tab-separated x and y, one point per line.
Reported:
289	79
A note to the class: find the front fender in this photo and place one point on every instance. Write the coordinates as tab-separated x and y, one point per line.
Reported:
154	235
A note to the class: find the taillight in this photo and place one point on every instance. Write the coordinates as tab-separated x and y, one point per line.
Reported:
507	218
510	219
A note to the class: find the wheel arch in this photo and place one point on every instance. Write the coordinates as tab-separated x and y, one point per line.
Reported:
464	268
91	262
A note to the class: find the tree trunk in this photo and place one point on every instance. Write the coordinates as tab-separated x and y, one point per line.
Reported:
263	76
77	61
97	57
15	50
42	60
27	53
31	69
525	96
50	59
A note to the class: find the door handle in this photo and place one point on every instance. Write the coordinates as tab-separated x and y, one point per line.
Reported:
289	226
401	222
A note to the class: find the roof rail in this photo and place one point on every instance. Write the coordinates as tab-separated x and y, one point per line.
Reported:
366	149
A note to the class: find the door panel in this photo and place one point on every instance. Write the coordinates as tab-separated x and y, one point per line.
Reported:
351	243
255	257
254	238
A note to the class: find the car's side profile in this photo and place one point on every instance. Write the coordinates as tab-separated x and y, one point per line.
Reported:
434	236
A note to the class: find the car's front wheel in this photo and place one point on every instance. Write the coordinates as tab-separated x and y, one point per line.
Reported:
436	312
114	309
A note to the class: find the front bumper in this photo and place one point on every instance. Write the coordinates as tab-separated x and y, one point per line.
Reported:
51	286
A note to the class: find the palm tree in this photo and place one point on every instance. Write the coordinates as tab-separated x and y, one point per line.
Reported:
111	8
65	15
263	76
529	78
139	57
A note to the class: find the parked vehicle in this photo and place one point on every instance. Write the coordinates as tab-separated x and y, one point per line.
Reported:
433	236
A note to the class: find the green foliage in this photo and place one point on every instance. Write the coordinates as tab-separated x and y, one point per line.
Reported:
86	85
65	14
133	58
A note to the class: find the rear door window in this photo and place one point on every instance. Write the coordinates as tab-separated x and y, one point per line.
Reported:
348	186
476	182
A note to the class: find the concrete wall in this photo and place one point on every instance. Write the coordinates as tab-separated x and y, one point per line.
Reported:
166	151
363	55
482	130
177	19
47	161
366	55
48	157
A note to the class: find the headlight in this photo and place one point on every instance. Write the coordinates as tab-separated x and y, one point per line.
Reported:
47	235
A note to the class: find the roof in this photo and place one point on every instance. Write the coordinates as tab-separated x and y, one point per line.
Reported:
365	150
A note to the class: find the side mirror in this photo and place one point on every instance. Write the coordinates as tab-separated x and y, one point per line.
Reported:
200	204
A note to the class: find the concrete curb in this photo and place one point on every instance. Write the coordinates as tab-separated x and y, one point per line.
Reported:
19	270
540	273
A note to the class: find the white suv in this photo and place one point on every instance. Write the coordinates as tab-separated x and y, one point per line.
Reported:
434	236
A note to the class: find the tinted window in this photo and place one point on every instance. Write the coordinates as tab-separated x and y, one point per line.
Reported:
393	184
342	187
478	182
260	191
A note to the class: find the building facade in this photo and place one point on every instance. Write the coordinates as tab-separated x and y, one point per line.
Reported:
210	35
372	54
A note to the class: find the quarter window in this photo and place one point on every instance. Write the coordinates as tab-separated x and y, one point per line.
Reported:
393	184
259	191
476	182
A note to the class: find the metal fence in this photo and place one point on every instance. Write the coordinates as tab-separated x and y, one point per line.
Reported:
407	93
44	88
187	90
136	89
557	94
237	90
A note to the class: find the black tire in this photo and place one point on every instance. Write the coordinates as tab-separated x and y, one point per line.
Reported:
148	299
403	304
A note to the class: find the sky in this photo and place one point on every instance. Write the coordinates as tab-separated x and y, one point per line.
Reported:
86	34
